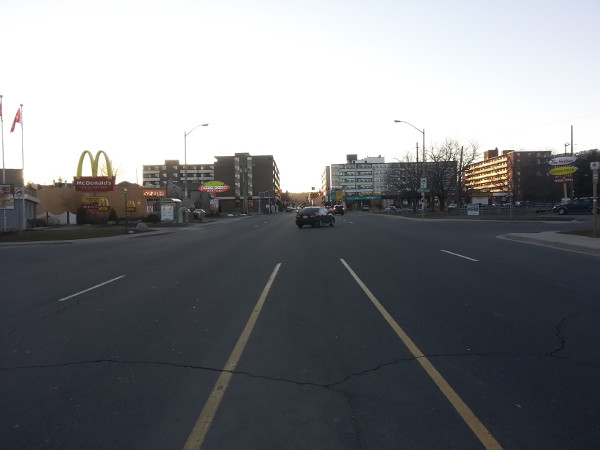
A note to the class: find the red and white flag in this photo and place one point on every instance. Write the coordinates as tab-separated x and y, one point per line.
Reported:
17	120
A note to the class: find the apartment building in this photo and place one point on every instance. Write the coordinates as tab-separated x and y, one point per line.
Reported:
172	172
504	174
253	180
358	181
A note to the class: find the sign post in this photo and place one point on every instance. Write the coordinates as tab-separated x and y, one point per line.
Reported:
423	189
595	166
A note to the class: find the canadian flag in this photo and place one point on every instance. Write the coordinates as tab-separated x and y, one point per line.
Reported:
17	120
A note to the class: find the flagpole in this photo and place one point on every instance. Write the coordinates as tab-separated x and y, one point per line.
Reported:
3	167
23	162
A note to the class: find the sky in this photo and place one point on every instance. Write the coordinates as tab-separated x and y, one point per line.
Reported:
305	81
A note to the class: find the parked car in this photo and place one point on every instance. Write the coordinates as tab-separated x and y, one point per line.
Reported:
390	209
338	209
365	207
576	206
313	216
452	207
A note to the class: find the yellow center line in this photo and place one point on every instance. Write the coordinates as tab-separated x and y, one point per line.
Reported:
198	433
482	433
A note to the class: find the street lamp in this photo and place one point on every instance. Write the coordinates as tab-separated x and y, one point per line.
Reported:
185	157
423	133
420	131
125	193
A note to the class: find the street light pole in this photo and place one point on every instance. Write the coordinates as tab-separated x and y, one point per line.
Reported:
423	160
185	158
125	193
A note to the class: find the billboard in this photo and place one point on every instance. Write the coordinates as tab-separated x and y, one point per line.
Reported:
7	199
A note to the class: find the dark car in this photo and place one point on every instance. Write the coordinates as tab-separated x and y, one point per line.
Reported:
313	216
576	206
338	209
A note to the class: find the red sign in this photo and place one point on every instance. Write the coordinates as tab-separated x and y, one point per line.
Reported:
94	183
154	193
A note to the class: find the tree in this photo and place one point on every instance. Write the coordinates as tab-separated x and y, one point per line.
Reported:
402	179
444	166
582	179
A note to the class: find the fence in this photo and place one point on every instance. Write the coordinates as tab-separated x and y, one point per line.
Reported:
66	218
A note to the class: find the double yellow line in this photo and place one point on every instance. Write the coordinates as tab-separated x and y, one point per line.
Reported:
209	411
461	407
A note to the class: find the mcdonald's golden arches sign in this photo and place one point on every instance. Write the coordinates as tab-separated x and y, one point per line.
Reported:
94	183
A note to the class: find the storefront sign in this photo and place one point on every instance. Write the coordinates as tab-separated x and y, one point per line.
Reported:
566	170
154	193
214	187
563	160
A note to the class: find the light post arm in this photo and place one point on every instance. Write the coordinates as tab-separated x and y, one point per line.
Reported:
420	131
423	162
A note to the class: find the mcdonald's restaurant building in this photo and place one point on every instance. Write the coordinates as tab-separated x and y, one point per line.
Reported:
64	201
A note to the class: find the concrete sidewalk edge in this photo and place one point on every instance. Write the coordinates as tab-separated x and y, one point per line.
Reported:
555	239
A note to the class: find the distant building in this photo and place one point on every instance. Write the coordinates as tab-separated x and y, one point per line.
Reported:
358	181
252	180
161	175
254	183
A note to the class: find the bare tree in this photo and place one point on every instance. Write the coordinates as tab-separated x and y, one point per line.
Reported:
402	179
445	165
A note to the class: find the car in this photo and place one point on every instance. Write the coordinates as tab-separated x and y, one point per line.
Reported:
390	209
576	206
521	204
338	209
452	207
199	214
365	207
313	216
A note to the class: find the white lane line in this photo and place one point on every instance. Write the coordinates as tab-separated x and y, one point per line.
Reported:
89	289
460	256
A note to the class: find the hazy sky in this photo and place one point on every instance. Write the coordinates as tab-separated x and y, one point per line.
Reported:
306	81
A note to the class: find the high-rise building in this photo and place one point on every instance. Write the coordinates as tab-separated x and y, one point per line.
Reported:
358	181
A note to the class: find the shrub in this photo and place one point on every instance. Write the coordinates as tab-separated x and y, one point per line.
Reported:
152	218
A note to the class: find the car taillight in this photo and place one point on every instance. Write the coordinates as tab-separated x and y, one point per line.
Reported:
297	216
312	216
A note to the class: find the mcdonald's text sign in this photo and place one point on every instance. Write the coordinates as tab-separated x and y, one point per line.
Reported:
94	183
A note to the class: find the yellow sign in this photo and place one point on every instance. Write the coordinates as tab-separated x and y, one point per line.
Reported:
101	203
565	170
94	163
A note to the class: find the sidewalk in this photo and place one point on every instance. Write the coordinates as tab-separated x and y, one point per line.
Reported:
570	242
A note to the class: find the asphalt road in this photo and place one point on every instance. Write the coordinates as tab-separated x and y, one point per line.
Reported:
251	333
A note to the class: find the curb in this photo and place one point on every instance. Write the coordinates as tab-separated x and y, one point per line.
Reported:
561	244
